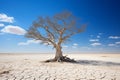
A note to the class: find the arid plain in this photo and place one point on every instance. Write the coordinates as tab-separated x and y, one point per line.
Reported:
32	67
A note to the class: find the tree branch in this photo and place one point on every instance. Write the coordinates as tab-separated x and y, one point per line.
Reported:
73	33
61	32
50	34
55	31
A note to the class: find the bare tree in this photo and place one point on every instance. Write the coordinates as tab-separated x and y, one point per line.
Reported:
55	31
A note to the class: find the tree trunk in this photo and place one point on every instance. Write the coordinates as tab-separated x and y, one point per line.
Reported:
58	54
59	57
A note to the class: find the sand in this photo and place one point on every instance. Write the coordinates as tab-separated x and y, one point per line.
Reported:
31	67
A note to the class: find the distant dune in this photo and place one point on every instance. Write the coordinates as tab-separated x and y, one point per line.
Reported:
31	67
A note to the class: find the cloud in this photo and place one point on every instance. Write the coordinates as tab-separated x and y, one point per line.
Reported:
65	46
117	42
100	33
88	48
94	40
75	44
114	37
5	18
96	44
29	42
48	44
1	25
98	36
13	30
111	44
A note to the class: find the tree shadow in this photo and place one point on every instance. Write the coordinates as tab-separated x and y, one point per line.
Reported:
97	63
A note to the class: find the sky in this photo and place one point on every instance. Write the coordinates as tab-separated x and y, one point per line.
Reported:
102	17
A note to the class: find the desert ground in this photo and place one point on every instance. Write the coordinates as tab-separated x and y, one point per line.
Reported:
31	67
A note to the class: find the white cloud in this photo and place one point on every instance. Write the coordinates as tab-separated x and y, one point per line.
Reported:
117	42
1	25
98	36
5	18
114	37
114	44
45	44
65	46
48	44
96	44
93	40
111	44
88	48
75	44
100	33
30	42
13	30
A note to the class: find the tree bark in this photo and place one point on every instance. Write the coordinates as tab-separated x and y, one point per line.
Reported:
59	57
58	54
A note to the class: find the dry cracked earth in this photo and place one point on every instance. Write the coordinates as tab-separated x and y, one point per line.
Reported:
28	69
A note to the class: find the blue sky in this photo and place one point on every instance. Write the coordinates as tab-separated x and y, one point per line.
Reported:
101	36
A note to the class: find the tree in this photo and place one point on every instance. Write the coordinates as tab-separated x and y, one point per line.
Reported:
55	31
